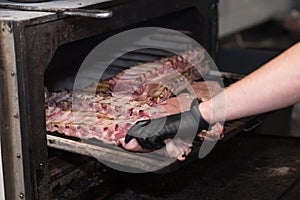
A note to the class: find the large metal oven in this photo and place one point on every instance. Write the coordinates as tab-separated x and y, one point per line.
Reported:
31	41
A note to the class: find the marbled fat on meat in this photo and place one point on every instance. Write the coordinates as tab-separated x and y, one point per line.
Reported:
109	114
156	81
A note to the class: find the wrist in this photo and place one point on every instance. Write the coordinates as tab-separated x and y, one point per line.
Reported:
205	111
202	123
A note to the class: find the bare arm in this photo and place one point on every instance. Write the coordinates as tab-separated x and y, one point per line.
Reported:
275	85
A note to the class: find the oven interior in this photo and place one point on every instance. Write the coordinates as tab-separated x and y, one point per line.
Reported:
64	65
61	72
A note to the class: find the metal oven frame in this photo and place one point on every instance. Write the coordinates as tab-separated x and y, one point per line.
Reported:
27	47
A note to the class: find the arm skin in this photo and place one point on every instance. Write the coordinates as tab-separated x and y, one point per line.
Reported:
273	86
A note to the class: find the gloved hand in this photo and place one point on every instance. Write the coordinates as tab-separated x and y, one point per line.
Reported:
151	134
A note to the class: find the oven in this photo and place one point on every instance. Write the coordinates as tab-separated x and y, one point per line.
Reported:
45	47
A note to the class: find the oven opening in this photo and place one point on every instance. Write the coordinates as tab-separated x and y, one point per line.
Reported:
60	77
49	49
132	66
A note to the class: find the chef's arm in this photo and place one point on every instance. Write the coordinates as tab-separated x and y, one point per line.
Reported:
273	86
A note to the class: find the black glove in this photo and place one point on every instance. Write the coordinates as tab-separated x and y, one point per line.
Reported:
151	134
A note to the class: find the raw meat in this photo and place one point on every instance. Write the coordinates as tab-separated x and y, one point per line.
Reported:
129	97
205	90
93	116
108	118
158	80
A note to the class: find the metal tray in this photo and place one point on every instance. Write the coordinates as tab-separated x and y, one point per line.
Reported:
137	162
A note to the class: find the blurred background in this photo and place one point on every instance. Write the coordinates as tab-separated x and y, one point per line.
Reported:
251	32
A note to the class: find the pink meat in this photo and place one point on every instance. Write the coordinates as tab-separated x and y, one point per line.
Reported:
178	104
107	116
206	90
134	81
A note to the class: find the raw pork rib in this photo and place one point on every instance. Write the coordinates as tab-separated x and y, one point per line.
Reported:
94	116
108	118
206	90
157	81
109	114
103	117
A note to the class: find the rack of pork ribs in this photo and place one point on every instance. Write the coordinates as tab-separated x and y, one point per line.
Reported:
144	91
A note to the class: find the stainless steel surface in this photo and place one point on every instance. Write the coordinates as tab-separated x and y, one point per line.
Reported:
8	14
59	3
2	191
88	13
11	134
64	11
29	1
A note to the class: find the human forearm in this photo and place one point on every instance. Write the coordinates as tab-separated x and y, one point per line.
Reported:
273	86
